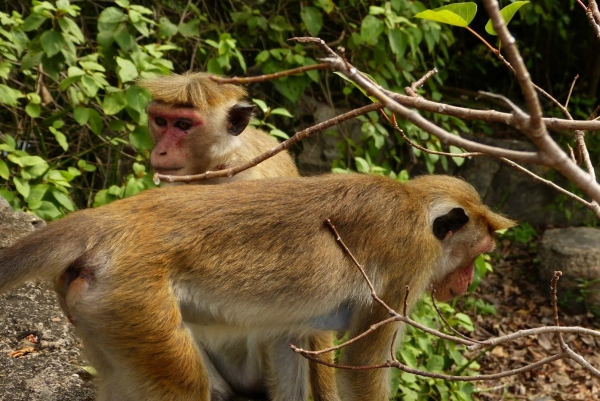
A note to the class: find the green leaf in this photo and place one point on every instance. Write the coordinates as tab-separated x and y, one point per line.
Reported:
458	14
110	18
262	56
124	39
26	161
36	171
457	160
137	98
398	42
113	103
435	363
262	105
64	200
60	138
9	96
36	195
89	86
279	24
52	42
95	121
409	357
282	112
140	139
47	211
69	26
126	71
313	20
190	28
33	22
9	140
91	66
81	115
361	165
85	166
326	5
507	13
166	27
22	186
370	29
277	133
4	170
33	110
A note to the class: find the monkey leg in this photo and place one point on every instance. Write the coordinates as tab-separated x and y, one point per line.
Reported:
287	372
134	335
372	384
322	378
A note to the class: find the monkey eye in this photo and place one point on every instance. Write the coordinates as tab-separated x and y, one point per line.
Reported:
182	125
161	122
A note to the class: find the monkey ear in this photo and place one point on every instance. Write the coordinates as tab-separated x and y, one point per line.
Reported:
450	222
238	118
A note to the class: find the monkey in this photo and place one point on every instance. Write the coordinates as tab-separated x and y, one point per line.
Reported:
171	268
198	125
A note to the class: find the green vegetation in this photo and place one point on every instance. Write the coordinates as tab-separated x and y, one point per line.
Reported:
73	127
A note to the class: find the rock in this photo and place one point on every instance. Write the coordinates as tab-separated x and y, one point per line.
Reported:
320	149
516	194
576	252
14	225
54	370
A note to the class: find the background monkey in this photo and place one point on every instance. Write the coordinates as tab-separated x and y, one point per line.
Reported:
173	267
199	125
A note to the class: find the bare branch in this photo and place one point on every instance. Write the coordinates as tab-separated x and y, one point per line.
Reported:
230	172
269	77
412	90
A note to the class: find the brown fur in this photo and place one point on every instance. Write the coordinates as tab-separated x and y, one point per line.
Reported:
191	89
174	261
209	147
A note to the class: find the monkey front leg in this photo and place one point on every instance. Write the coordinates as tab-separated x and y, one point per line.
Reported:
374	349
322	378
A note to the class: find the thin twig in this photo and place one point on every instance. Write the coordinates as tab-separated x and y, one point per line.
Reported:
571	91
230	172
269	77
412	89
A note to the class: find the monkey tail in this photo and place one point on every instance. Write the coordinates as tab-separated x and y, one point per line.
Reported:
44	253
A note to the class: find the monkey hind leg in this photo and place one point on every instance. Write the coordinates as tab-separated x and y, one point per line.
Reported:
133	333
322	378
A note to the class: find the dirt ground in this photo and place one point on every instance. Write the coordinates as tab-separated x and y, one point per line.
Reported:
522	303
48	364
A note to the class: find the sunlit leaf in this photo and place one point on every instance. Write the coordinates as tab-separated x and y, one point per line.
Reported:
458	14
507	13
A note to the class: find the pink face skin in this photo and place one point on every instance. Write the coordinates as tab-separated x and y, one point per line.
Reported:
173	130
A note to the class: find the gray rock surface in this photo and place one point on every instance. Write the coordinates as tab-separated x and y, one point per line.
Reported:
52	367
576	252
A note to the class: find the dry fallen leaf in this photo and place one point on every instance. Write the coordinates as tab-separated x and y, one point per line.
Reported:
21	352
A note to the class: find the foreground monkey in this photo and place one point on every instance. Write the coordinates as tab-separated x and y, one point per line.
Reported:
172	268
198	125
